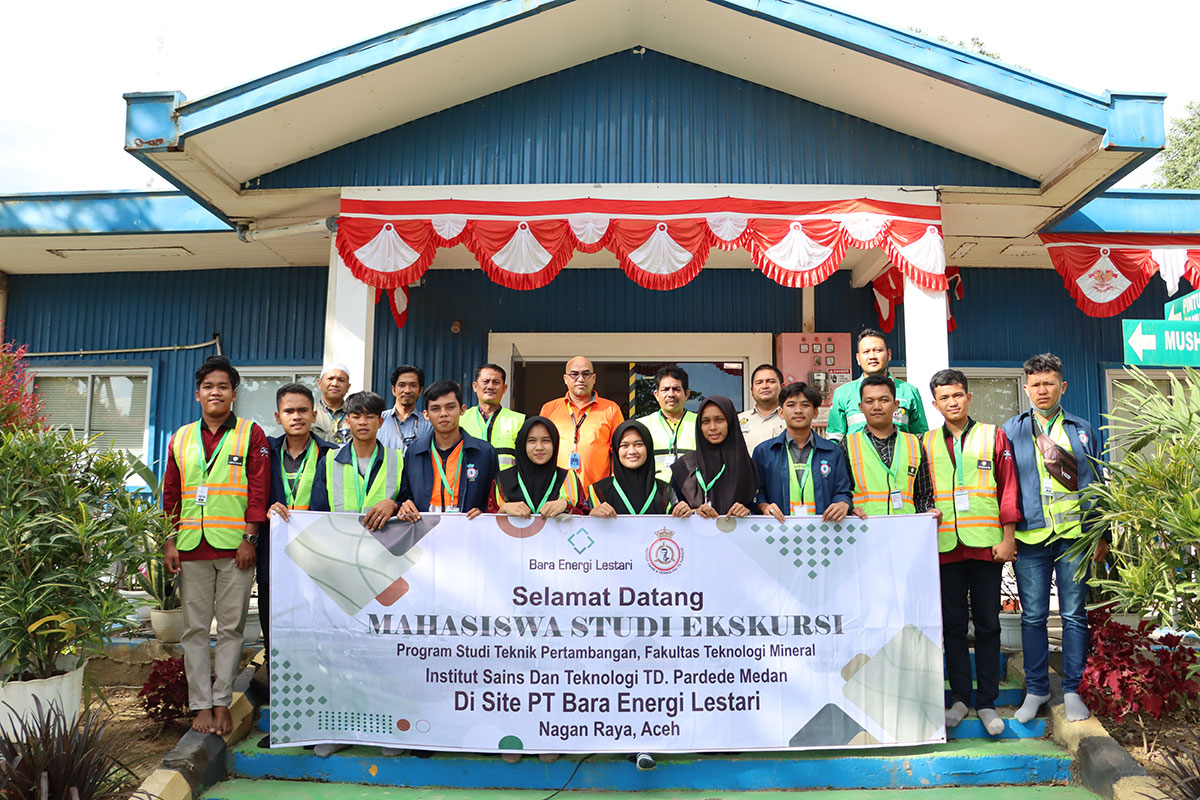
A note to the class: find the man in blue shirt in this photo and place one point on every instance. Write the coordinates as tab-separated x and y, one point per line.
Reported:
403	424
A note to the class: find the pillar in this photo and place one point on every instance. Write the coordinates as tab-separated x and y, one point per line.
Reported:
349	321
926	343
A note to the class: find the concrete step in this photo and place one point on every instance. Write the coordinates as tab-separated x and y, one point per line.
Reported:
293	790
1012	692
962	762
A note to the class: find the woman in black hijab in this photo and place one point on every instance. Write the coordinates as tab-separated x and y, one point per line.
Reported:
718	478
537	485
632	488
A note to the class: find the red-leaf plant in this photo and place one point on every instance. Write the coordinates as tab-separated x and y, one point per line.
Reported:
164	695
1129	672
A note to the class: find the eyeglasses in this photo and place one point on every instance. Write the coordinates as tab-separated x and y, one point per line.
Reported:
577	375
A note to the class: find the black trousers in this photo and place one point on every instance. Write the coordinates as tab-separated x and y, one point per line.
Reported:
262	565
973	585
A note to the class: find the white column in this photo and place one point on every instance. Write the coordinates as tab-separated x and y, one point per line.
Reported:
349	321
808	309
926	344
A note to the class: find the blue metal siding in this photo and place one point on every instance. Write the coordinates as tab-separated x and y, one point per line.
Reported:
265	317
639	118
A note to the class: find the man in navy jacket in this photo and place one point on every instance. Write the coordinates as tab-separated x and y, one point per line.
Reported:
446	470
799	472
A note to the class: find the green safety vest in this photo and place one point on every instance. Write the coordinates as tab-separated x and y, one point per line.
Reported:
499	430
669	444
221	520
1061	507
302	489
342	481
803	501
873	483
979	525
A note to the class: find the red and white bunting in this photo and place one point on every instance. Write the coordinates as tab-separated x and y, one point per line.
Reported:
1106	273
888	289
660	244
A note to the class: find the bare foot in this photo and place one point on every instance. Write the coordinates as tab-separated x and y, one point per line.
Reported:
204	720
222	722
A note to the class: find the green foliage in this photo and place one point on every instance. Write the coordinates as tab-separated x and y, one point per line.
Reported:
148	518
1183	770
976	44
1151	503
80	761
1179	163
67	527
19	407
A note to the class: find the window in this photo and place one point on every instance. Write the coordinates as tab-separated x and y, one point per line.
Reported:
112	405
256	394
996	392
1117	384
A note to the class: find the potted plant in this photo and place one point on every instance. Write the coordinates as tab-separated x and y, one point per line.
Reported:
68	526
166	617
1150	502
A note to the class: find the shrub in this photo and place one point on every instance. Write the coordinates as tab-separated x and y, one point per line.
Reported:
164	695
1126	674
1183	769
19	407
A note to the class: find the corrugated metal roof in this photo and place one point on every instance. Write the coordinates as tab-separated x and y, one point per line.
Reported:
639	118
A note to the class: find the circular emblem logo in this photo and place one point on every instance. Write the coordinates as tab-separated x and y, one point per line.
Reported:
664	554
825	468
1083	437
472	472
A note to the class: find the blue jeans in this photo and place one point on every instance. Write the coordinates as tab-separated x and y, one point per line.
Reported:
1035	562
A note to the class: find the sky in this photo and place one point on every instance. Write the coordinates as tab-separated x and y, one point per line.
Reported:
66	64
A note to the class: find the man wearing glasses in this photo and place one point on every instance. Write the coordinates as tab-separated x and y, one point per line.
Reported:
585	423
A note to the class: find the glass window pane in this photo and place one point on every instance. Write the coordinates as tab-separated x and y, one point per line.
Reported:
704	380
64	401
119	404
994	400
256	400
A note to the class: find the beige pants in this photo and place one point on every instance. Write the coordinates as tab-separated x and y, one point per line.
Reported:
207	589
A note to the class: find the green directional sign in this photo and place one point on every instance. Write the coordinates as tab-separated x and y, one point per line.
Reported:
1183	309
1163	343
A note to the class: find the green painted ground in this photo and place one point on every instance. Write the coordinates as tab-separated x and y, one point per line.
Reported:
292	790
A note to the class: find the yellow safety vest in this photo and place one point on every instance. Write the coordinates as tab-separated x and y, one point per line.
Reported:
1061	508
669	444
979	525
802	499
499	430
221	519
874	483
343	482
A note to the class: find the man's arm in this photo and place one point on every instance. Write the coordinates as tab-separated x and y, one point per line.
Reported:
841	486
258	478
923	487
319	500
842	445
172	500
836	429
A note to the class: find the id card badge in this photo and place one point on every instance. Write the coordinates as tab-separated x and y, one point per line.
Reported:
1047	487
201	495
669	460
962	500
900	417
576	462
897	500
450	510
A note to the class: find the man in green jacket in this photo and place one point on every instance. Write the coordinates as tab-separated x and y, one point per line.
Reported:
873	357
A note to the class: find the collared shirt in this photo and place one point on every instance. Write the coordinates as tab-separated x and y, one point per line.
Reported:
799	454
846	417
258	480
594	424
922	486
757	428
331	425
1006	492
399	434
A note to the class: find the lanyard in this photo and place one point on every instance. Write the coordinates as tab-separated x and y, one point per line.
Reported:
705	487
578	425
289	489
958	459
486	425
208	465
801	475
360	484
629	505
674	431
437	462
528	499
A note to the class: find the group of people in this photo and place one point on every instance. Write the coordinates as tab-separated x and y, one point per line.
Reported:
999	493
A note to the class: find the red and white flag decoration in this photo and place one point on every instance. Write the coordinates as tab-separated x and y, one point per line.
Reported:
660	244
1105	273
888	289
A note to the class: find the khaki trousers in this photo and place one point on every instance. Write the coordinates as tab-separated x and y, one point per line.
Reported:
207	589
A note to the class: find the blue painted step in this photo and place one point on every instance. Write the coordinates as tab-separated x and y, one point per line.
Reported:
1003	663
1012	692
972	728
970	762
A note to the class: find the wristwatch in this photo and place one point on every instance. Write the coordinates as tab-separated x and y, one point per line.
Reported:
252	538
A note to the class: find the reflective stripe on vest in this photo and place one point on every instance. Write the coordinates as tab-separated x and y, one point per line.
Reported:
1063	515
873	483
500	431
221	521
339	481
979	526
661	434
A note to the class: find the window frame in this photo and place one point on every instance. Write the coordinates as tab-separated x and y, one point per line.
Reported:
277	371
91	372
1016	373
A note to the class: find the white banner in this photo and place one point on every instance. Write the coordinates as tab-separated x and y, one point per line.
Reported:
589	635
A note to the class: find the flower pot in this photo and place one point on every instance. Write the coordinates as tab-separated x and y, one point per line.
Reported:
253	630
65	691
1010	630
167	625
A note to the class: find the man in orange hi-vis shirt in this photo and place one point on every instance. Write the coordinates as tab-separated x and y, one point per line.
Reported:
585	423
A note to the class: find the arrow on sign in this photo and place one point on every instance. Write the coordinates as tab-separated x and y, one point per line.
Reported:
1175	314
1141	342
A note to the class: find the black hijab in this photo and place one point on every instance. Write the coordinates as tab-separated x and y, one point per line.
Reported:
637	484
538	478
739	482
